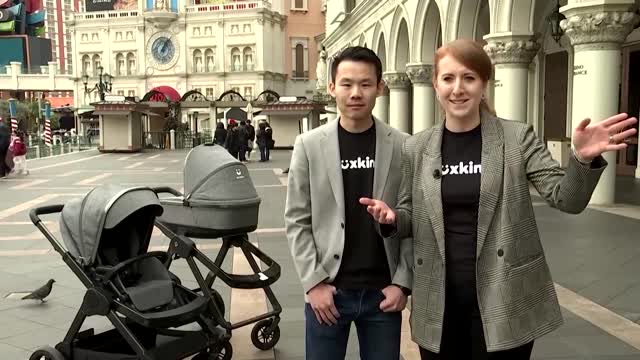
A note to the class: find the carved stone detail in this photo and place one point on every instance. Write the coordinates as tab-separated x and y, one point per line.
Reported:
601	27
396	80
513	51
420	73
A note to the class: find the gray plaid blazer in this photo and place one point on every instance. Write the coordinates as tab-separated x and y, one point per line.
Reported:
516	295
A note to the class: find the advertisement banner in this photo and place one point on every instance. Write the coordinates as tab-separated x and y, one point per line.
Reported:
109	5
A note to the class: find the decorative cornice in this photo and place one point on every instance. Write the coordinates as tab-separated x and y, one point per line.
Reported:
396	80
512	50
599	27
420	73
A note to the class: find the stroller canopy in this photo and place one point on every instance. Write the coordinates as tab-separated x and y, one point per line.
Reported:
213	176
83	220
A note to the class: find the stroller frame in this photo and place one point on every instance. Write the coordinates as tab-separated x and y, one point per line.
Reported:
266	332
98	301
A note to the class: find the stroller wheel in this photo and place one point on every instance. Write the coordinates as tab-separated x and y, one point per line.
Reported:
47	353
224	353
263	340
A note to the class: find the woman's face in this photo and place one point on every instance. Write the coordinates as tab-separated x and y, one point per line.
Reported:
459	89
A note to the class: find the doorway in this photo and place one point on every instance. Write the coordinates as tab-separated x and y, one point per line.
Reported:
627	159
555	96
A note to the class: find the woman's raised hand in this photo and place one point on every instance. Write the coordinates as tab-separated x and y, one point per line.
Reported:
379	210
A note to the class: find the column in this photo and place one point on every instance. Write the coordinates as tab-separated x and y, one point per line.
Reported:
596	35
423	96
381	110
399	113
511	56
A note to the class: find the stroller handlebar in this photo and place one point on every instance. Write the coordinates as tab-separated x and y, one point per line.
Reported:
166	189
35	213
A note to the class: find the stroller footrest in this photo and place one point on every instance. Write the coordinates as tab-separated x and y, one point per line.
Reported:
170	318
179	347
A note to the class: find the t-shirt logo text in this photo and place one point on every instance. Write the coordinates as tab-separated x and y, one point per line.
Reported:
358	163
462	169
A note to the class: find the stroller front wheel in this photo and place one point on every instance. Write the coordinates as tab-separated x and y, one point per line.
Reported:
263	340
47	353
224	353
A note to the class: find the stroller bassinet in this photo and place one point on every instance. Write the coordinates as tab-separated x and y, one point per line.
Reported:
220	201
219	196
107	235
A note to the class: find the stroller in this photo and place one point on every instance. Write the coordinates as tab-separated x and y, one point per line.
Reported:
220	201
106	236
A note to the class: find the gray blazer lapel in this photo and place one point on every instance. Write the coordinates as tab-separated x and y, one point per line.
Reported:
384	154
491	178
432	185
331	148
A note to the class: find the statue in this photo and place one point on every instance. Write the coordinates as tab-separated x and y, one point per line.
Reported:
162	5
321	71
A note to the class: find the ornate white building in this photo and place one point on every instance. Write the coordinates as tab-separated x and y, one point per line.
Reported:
209	47
591	70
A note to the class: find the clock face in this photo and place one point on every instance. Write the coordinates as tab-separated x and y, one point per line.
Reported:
163	50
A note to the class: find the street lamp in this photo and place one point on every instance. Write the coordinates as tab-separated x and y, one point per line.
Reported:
103	86
554	21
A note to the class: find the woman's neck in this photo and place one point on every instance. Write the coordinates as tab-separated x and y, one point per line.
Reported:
458	125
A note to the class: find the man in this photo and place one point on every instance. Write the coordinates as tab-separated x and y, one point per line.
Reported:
251	137
5	141
348	272
243	140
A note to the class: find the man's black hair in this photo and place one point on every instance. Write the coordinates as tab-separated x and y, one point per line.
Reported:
359	54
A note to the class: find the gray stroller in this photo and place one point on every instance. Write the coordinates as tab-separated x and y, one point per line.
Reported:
106	236
221	202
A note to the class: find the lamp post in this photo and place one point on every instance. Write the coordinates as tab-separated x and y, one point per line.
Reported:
554	22
103	86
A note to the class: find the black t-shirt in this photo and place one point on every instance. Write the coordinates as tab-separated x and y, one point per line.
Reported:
461	170
364	261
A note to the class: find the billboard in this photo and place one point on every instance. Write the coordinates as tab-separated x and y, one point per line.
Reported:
108	5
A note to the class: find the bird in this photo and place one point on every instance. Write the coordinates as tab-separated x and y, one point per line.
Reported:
41	292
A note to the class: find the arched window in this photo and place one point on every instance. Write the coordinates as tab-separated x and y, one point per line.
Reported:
197	61
236	62
120	66
209	61
96	63
131	64
299	69
86	65
248	58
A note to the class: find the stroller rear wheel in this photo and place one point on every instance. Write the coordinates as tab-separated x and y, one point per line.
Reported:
47	353
263	340
225	352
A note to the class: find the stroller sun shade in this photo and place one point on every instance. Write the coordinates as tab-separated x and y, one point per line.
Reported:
83	220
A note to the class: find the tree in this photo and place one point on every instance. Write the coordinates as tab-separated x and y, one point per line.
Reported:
27	114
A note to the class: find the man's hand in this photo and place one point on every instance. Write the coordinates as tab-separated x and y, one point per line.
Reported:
394	299
321	301
379	210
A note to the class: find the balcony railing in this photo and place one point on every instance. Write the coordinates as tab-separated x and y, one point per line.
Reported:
231	6
299	75
105	15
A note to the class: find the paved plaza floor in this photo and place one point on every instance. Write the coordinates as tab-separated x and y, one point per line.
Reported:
594	258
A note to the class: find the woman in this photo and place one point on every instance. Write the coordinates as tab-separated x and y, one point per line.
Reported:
482	287
261	140
220	135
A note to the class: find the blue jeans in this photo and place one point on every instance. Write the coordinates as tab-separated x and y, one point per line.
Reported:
378	332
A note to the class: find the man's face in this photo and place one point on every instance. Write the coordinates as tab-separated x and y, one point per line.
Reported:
355	89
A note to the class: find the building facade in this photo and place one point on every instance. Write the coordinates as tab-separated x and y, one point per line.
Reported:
591	70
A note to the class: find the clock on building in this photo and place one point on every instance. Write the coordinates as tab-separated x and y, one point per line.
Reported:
162	50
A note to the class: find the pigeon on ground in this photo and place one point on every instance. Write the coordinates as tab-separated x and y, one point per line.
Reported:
41	292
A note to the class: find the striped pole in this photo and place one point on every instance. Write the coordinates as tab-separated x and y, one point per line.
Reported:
13	113
47	123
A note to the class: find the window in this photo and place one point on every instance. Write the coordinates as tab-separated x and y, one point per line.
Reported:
299	69
209	93
118	35
209	60
198	89
236	89
248	92
120	69
131	64
96	63
197	61
298	4
246	28
121	92
236	64
248	58
129	35
131	93
196	31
